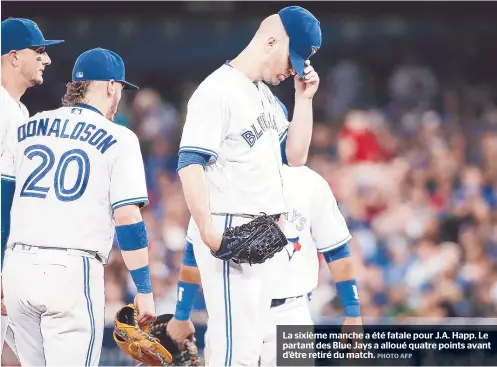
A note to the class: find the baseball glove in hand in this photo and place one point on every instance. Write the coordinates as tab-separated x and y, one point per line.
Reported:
253	242
151	345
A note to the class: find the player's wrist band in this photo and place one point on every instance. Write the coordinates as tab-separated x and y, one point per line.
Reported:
338	253
347	291
141	278
186	296
132	236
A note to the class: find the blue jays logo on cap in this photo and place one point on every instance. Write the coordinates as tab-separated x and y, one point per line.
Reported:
99	64
304	32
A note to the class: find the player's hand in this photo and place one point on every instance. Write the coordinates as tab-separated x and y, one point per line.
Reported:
212	239
4	310
308	86
352	326
351	321
179	330
144	303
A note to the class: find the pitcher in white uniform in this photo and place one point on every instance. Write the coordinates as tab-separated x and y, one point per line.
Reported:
24	58
79	179
320	227
230	162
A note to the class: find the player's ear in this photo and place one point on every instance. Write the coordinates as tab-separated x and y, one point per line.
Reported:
111	87
272	41
270	44
14	58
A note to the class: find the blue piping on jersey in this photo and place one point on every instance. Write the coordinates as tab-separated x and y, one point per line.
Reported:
142	201
336	245
88	107
190	148
227	303
89	306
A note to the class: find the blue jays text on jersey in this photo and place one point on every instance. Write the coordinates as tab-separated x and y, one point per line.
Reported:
266	122
82	131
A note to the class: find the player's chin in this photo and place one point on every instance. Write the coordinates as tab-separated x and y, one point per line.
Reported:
37	81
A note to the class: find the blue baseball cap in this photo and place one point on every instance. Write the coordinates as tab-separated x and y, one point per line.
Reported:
304	32
99	64
19	33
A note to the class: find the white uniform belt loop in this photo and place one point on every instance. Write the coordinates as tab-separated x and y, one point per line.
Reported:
26	247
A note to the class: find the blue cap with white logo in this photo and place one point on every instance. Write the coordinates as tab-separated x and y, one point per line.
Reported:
99	64
304	32
19	33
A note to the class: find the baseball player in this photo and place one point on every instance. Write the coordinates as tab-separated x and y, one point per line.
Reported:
79	178
230	168
24	58
321	228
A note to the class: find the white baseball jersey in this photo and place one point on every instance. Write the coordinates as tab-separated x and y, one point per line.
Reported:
13	113
314	212
240	124
72	168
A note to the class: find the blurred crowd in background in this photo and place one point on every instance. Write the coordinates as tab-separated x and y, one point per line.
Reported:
417	185
405	132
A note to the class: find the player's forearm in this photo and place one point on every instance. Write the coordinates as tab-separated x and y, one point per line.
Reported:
342	270
133	242
188	284
300	132
197	196
189	274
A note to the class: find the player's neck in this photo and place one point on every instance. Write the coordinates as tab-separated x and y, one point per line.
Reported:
98	104
15	87
244	63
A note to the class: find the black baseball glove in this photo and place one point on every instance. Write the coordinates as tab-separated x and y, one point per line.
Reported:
253	242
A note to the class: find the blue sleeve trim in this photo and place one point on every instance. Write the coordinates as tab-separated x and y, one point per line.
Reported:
336	245
8	178
189	255
197	150
283	135
187	158
132	236
140	200
7	196
283	107
337	253
284	158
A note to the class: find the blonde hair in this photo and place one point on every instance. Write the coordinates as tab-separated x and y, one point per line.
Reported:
75	93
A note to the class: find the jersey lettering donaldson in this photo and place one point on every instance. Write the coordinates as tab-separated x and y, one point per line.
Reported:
72	160
320	226
239	123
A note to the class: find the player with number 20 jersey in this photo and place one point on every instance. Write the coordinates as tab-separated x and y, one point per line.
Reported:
64	163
